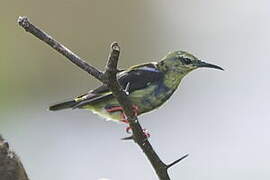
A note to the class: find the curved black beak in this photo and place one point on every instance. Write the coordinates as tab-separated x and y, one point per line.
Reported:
204	64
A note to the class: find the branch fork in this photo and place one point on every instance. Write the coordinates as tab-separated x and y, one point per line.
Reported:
109	78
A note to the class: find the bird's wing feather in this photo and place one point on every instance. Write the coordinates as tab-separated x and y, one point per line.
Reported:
134	78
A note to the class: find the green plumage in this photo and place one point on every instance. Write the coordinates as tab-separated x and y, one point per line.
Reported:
148	86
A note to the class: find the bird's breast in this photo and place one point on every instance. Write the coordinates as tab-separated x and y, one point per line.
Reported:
151	97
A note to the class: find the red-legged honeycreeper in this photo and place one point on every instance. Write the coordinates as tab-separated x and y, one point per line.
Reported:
148	86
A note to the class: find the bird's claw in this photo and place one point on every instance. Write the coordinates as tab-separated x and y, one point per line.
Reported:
128	130
146	133
135	110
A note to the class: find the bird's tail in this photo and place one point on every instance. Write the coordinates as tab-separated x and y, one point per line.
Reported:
63	105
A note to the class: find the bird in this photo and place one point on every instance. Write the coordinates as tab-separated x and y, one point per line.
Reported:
147	85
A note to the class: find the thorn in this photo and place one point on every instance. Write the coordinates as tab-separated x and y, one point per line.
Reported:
127	138
177	161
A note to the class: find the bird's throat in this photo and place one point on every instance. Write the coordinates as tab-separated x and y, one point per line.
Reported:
172	79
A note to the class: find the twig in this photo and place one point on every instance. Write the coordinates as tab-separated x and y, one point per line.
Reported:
108	78
11	167
23	21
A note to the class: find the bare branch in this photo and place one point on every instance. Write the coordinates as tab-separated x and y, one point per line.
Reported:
24	22
113	58
109	78
11	167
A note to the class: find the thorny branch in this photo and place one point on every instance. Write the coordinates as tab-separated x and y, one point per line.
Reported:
108	78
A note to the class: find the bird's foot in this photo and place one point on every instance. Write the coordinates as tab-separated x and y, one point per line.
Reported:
123	116
146	133
135	110
129	130
124	119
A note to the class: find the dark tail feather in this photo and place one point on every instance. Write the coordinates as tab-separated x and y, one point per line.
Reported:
64	105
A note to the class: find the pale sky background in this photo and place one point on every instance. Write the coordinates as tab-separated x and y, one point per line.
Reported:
220	118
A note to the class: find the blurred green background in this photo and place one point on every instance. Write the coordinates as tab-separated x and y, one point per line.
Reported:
220	118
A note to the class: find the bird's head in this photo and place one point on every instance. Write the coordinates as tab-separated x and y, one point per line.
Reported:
183	62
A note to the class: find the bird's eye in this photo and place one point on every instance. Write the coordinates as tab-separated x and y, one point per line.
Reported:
186	60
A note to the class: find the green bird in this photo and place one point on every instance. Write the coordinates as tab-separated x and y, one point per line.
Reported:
148	86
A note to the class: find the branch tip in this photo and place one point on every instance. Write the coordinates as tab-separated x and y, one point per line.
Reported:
23	21
177	161
115	46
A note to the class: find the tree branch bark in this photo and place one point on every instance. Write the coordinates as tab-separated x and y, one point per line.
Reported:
11	167
108	78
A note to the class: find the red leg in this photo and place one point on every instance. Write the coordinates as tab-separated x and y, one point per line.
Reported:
124	117
114	109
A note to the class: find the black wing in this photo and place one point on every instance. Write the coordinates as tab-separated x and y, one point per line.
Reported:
132	79
139	77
